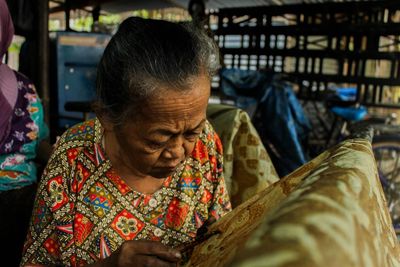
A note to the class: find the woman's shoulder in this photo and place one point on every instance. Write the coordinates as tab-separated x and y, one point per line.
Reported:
208	129
74	140
22	77
208	144
210	137
24	82
81	135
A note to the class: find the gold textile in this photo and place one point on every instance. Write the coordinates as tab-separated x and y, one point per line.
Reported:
329	212
244	153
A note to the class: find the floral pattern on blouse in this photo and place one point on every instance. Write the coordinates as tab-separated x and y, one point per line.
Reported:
17	152
84	211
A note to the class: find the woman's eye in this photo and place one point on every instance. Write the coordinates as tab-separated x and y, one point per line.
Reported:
156	145
192	136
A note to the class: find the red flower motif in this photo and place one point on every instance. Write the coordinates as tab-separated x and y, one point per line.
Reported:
127	225
176	214
122	186
206	197
82	228
52	246
200	152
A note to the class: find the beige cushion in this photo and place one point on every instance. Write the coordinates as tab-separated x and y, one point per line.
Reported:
247	167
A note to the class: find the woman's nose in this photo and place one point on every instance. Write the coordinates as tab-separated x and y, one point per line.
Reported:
175	151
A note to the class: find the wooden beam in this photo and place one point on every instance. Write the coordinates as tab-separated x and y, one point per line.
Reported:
43	55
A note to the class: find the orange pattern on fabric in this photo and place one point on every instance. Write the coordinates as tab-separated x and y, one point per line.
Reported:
84	210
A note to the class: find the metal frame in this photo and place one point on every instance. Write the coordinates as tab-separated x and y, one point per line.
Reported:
300	41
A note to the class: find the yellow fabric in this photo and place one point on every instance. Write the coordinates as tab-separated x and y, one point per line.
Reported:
247	166
329	212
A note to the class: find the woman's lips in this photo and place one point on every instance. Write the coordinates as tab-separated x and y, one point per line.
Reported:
170	168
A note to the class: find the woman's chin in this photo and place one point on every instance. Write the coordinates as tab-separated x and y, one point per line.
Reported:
161	173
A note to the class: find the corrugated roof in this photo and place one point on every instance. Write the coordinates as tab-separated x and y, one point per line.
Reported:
217	4
116	6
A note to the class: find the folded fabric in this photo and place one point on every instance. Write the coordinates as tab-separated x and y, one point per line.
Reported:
329	212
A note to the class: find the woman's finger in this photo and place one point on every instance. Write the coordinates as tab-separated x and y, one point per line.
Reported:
152	261
157	249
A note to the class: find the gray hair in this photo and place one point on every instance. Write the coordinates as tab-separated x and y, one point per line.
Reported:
145	55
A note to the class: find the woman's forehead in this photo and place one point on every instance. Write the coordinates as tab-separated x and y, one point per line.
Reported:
168	129
172	103
164	125
174	117
176	105
173	109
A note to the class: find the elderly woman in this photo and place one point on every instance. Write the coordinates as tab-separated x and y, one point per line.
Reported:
127	187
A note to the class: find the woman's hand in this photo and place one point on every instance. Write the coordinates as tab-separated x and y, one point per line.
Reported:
141	253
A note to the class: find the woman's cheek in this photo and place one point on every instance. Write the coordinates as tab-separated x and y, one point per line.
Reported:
189	148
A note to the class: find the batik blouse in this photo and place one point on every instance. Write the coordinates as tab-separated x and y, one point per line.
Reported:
84	211
27	129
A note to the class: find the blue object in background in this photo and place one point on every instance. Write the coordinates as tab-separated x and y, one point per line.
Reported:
279	118
346	93
246	87
351	113
76	57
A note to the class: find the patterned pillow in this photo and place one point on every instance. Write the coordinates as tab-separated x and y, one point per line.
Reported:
247	167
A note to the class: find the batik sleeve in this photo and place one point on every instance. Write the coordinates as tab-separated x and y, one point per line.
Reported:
48	221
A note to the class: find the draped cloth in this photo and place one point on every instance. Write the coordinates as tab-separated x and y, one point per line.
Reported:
329	212
248	168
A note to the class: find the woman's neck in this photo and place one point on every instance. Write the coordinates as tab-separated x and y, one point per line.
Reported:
137	181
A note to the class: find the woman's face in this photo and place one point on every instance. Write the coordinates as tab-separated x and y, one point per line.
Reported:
166	131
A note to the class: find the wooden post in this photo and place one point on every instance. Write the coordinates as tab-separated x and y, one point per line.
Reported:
43	55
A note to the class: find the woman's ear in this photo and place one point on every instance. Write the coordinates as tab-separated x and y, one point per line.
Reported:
106	123
102	116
